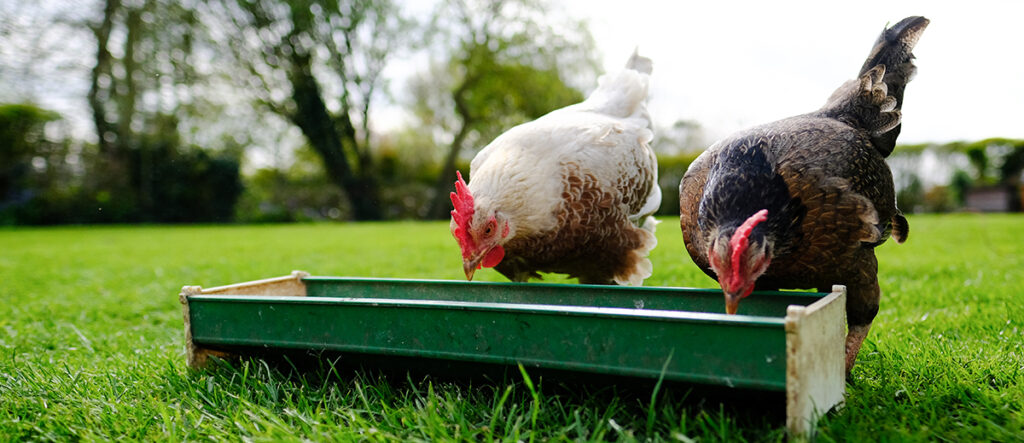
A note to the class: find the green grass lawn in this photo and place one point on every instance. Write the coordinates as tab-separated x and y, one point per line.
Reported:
91	344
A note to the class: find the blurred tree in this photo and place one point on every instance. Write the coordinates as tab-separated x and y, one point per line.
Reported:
40	53
938	199
979	160
959	184
146	64
47	180
911	196
102	86
509	61
671	169
143	83
684	136
21	134
300	191
318	64
1013	165
182	183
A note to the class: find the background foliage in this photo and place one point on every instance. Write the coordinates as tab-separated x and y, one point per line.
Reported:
257	111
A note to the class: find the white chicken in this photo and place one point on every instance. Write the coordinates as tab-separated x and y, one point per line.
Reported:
571	192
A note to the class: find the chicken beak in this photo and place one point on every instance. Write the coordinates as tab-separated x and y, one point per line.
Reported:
732	303
487	258
469	267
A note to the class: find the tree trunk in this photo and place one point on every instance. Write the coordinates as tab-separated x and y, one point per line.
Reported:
114	179
106	132
441	205
126	110
329	140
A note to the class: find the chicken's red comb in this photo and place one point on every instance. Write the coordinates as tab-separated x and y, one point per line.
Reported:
741	239
462	200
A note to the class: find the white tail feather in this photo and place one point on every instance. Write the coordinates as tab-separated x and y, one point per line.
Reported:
621	94
644	268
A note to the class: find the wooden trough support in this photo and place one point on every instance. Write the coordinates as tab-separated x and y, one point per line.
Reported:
790	342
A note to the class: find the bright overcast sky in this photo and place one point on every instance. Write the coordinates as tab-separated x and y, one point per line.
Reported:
734	64
731	65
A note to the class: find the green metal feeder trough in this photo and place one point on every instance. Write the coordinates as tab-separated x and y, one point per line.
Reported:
790	342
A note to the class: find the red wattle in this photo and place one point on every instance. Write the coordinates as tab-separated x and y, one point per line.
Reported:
493	257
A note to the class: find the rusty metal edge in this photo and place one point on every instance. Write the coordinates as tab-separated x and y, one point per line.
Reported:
815	381
197	357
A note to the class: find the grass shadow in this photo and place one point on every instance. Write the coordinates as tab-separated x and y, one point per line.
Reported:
500	401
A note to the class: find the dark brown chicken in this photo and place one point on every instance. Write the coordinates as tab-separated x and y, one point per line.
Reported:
803	202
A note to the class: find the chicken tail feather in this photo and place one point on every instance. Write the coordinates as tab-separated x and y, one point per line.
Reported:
874	100
622	94
900	228
639	63
893	50
641	268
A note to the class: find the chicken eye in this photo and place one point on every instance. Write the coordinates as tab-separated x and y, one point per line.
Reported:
492	225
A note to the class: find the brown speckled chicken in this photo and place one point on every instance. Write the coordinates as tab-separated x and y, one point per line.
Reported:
803	202
571	192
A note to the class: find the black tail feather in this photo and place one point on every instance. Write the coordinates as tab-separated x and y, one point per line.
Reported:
900	228
894	45
893	50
